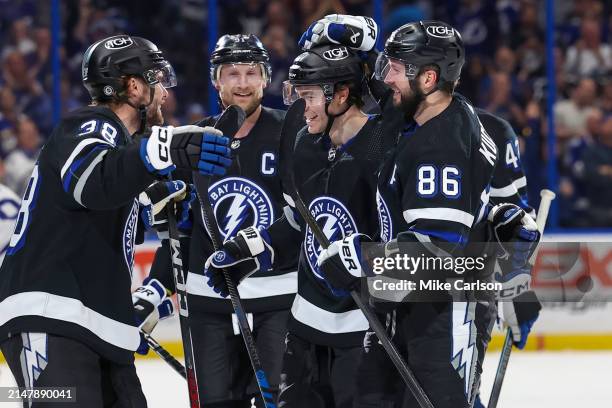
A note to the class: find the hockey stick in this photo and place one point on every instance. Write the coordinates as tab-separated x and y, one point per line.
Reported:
290	128
181	295
180	284
229	123
165	355
547	198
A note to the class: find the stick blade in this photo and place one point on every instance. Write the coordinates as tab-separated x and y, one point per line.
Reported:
231	120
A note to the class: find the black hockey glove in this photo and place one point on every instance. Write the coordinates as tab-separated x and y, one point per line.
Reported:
343	266
518	237
241	256
154	200
191	147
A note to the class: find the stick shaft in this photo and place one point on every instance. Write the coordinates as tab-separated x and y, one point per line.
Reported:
547	197
165	355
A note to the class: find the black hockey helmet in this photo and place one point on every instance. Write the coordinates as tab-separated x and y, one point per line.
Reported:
325	65
108	62
424	43
239	49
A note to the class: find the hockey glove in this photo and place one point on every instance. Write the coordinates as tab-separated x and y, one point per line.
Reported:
155	199
249	244
518	237
342	265
151	304
196	148
356	32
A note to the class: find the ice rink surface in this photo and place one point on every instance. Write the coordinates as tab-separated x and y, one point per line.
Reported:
533	380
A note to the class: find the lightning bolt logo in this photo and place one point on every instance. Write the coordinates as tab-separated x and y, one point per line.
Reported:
235	216
34	356
336	222
464	339
330	229
240	203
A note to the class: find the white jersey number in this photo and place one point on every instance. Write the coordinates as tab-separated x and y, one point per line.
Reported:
430	183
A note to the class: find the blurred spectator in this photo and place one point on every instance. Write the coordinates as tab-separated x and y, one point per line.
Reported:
606	97
244	17
571	114
69	102
573	195
282	52
20	40
470	83
598	176
501	103
41	67
20	162
589	56
277	14
312	10
478	24
8	120
504	72
29	94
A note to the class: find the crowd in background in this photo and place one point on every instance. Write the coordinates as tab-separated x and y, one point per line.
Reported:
505	72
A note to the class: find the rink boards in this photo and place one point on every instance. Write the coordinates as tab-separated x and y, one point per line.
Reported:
576	316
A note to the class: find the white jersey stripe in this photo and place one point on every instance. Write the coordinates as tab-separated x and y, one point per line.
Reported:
328	322
78	149
250	288
80	185
57	307
511	189
439	213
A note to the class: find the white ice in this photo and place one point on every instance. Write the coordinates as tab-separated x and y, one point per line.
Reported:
533	380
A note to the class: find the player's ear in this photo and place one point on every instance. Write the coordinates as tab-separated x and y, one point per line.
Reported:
216	85
430	78
133	87
342	94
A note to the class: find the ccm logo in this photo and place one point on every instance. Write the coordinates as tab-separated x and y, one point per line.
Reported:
336	54
440	31
117	43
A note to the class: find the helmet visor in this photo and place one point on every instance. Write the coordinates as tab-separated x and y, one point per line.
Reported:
163	74
313	95
387	66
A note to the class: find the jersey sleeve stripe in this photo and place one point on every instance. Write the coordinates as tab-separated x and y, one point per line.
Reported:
509	190
78	150
439	213
73	171
80	185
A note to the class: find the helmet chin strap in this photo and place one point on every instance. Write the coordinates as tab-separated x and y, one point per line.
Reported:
332	117
142	110
413	84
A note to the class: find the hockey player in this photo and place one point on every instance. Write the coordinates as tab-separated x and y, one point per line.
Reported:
335	159
66	315
434	188
509	184
249	195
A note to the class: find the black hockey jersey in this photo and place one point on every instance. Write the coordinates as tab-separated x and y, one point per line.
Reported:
509	183
338	186
434	187
68	266
248	195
